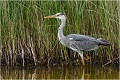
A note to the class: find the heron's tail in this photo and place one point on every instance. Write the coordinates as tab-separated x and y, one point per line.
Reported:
103	42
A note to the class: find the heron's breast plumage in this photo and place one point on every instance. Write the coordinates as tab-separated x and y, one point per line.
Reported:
63	40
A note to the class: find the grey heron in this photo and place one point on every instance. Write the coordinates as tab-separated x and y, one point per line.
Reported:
77	42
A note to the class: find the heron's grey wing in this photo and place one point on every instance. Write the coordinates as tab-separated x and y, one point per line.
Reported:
78	37
82	42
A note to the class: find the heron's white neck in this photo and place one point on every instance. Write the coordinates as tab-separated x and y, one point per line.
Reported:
60	30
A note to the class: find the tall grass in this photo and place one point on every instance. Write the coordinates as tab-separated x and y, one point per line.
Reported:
27	38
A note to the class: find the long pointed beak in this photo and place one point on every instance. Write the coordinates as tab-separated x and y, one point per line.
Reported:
52	16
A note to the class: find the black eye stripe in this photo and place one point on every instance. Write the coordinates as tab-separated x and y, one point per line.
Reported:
60	14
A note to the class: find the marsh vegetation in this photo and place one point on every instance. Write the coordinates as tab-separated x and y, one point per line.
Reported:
28	39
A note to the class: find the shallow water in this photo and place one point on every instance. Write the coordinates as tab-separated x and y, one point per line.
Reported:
60	72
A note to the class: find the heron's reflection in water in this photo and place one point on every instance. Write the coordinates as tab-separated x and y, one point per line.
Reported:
74	73
61	72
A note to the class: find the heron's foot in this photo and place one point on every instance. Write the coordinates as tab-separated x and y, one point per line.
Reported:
87	57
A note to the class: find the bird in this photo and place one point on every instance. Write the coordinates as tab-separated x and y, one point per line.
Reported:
77	42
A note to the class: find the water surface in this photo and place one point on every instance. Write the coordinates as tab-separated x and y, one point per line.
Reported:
60	72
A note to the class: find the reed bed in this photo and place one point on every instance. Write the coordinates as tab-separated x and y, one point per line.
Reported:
29	39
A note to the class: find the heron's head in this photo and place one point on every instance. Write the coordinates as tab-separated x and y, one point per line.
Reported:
58	15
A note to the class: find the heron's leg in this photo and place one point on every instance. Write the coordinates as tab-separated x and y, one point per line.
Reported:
87	57
83	74
81	55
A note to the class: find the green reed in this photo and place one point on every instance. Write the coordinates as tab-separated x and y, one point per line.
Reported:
28	38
